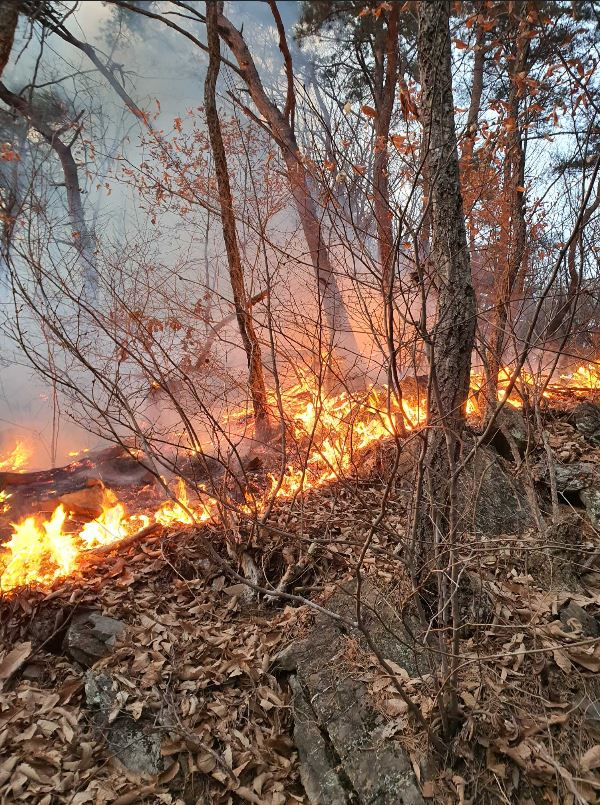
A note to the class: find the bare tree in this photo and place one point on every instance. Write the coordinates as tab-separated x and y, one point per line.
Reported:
243	312
82	235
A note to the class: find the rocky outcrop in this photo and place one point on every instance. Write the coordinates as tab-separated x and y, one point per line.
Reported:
338	732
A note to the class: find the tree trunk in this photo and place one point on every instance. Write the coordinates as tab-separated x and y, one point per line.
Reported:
453	336
438	524
517	228
242	309
9	16
455	320
385	79
330	297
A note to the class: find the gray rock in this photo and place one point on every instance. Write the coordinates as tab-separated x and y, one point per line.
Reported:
496	502
343	757
573	612
91	636
591	500
590	708
136	744
510	424
319	770
586	418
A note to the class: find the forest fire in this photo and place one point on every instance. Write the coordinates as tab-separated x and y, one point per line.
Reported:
330	430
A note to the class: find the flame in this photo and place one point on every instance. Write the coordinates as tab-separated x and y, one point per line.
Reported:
39	552
329	431
42	551
4	506
181	511
17	459
585	377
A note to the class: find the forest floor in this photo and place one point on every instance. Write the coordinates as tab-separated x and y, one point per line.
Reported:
191	702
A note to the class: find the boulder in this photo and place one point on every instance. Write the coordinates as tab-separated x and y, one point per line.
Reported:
136	744
91	636
586	418
344	754
496	502
571	477
591	500
86	502
510	425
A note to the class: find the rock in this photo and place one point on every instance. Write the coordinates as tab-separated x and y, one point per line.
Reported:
136	744
319	771
344	757
590	708
91	636
591	500
573	615
510	424
569	477
586	418
496	502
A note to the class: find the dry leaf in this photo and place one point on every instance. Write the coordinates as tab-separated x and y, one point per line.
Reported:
591	759
14	660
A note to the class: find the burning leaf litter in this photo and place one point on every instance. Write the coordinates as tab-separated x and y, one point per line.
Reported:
335	428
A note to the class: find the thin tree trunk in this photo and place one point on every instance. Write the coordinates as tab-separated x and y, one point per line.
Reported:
455	325
330	297
385	82
476	93
243	314
454	332
517	235
452	339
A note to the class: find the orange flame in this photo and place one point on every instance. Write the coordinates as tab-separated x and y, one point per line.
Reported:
330	429
17	459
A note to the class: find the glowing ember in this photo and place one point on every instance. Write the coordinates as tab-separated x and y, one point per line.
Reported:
17	459
76	453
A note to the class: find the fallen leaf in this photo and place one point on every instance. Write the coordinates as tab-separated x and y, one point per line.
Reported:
14	660
591	759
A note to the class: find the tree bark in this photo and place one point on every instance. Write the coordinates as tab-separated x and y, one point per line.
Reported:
330	297
453	336
242	308
438	524
9	16
517	228
455	320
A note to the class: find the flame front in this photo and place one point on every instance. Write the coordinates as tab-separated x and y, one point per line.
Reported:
328	431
